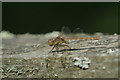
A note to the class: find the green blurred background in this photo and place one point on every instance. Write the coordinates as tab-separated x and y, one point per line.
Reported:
43	17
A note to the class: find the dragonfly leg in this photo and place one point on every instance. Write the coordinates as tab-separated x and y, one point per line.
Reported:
66	47
56	47
52	49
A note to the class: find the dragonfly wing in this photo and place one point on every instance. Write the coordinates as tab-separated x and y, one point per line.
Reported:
66	30
77	30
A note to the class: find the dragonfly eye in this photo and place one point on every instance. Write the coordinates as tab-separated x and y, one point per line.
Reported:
50	42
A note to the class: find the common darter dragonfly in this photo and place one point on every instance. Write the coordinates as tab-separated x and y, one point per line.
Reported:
61	41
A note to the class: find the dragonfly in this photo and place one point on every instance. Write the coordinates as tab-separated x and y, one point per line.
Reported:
61	41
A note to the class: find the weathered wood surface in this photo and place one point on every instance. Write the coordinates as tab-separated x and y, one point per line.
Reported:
26	56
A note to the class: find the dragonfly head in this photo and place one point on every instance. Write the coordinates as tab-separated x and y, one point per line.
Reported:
51	42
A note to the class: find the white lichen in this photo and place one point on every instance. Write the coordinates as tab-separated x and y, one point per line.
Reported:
83	63
103	67
113	51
